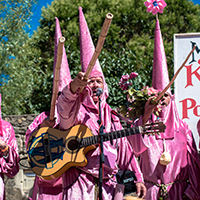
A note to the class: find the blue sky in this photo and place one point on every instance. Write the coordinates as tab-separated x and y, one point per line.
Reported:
37	12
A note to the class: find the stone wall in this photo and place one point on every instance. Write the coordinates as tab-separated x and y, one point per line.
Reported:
20	187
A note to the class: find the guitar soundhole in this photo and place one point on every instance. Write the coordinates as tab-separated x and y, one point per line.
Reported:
73	145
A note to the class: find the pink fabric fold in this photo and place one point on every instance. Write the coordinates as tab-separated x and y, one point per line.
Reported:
185	163
160	77
65	76
87	50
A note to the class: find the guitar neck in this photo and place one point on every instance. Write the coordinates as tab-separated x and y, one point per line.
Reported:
87	141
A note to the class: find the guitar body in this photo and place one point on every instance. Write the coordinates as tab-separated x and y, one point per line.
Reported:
51	152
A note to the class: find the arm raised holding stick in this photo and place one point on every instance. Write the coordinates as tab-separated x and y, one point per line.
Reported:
99	46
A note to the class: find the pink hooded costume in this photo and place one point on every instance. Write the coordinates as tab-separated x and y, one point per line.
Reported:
8	166
50	189
79	108
182	175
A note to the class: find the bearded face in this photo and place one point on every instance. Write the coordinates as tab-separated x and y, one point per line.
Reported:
94	83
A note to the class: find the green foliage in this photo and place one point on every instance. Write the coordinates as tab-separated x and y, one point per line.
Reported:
128	47
130	41
136	100
16	57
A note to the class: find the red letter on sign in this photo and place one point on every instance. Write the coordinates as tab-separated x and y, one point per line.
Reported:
190	73
185	106
196	111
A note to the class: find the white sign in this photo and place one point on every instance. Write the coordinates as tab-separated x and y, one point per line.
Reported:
187	83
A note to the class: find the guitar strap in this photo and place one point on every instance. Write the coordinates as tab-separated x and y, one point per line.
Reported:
111	140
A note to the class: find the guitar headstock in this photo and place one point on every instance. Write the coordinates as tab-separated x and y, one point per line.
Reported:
153	128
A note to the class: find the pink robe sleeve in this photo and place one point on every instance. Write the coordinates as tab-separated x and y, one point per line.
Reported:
9	165
35	124
137	141
68	106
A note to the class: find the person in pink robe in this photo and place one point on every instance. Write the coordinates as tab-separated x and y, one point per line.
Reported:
178	177
82	108
50	189
44	189
9	156
75	107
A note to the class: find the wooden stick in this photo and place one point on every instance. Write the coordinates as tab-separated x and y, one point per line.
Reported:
56	78
127	120
99	46
174	77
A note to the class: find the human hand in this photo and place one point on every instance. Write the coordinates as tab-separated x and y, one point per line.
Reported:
3	147
78	82
141	190
47	123
148	110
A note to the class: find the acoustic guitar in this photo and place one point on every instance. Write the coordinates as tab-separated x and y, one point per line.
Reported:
51	152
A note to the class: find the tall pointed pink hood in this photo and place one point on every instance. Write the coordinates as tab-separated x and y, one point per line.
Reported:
160	79
65	76
87	49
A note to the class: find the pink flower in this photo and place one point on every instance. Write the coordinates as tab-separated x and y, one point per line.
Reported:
151	90
125	86
133	75
125	77
155	6
130	99
145	88
125	82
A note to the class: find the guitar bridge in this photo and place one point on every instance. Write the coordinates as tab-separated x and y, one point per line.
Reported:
47	151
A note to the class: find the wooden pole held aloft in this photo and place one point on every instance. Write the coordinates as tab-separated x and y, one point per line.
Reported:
99	46
56	78
175	75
